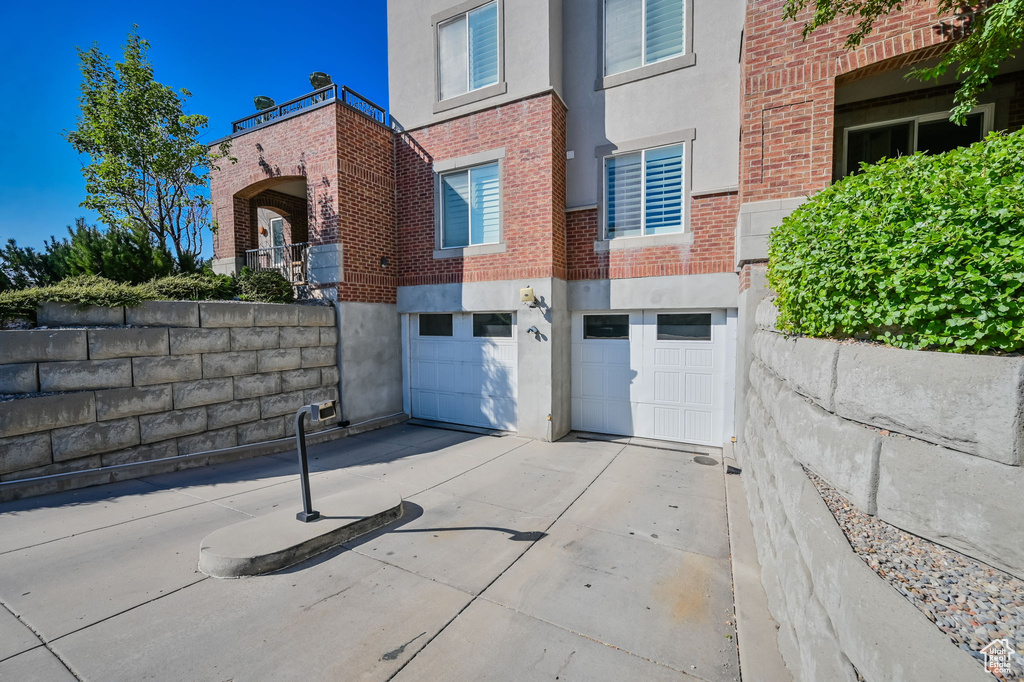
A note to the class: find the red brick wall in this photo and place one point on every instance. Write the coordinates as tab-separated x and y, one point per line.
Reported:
788	99
291	208
532	132
712	220
365	221
300	148
347	162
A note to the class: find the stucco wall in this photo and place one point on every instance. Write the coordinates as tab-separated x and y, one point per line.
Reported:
183	378
530	43
928	442
702	96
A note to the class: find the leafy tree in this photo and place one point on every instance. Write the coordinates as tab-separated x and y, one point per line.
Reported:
992	32
146	167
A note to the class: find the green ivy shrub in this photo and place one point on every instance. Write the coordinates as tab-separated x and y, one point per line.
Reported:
264	287
921	252
196	287
83	290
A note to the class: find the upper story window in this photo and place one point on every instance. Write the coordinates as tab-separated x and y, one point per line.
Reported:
471	206
467	47
932	134
644	192
641	32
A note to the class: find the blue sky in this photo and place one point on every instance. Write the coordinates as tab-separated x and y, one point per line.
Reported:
224	53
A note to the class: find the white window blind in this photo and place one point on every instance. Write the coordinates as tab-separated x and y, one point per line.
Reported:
452	48
471	207
467	51
638	32
625	196
644	193
663	190
623	23
664	31
483	46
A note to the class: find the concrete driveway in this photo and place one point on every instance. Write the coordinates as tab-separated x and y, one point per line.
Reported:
515	560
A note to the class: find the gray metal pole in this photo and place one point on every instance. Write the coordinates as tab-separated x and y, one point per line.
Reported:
307	514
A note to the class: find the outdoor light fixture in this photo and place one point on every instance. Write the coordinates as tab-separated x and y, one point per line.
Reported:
317	412
526	296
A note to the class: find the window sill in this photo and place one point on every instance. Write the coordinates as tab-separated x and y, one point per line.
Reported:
624	243
642	72
498	88
469	251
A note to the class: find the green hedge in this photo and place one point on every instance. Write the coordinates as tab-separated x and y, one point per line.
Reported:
922	252
265	287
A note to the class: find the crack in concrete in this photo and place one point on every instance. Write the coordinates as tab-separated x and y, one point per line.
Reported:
42	643
507	568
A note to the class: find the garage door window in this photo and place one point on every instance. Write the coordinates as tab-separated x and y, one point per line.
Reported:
684	327
435	325
492	325
606	326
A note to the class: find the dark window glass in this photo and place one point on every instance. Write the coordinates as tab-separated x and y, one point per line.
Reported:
435	325
871	145
940	136
606	326
684	327
492	325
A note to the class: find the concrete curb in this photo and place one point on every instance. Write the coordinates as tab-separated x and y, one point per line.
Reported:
278	540
756	630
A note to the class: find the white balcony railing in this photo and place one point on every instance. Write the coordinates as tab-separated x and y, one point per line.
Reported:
291	260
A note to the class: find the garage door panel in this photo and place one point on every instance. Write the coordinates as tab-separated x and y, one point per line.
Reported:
463	379
697	358
666	387
698	426
667	357
424	373
700	389
670	388
667	423
602	416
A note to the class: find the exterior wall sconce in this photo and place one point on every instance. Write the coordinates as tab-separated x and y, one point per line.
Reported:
526	296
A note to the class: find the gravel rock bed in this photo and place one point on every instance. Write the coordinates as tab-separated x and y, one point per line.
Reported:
968	600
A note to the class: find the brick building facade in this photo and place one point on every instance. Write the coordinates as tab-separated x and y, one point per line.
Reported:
753	138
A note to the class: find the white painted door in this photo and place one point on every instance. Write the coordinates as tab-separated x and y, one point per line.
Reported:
463	369
652	374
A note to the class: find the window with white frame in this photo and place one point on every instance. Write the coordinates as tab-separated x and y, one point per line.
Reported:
644	192
467	47
931	133
471	206
640	32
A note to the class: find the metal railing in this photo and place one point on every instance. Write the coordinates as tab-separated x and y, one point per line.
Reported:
291	260
344	94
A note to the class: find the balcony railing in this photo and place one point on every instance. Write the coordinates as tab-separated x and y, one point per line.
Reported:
291	260
345	95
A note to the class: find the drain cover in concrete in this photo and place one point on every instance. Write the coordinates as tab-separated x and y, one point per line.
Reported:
275	541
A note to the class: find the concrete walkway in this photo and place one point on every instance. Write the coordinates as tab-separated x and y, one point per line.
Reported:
516	560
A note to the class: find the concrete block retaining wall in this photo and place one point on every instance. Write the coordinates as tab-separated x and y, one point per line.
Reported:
928	442
197	378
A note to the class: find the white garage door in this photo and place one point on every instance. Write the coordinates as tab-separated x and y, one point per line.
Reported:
652	374
463	369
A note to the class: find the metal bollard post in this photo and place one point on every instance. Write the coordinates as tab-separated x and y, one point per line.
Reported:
316	412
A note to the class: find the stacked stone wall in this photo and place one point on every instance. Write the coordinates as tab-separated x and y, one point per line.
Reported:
928	442
158	384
